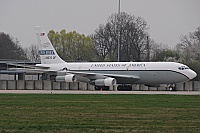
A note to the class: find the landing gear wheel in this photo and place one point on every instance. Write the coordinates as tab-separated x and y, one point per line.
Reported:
172	87
124	88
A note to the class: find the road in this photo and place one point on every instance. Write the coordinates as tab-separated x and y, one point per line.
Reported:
96	92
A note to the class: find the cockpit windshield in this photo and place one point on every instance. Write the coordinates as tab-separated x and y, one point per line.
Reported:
183	68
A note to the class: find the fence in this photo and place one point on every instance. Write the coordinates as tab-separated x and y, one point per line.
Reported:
51	85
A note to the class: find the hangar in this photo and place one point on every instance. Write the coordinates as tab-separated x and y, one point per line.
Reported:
6	74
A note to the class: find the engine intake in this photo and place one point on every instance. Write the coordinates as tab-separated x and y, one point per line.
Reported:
66	78
105	82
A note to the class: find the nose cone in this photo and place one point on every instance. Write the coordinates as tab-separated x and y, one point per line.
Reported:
192	74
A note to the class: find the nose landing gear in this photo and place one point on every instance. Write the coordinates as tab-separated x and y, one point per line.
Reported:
172	87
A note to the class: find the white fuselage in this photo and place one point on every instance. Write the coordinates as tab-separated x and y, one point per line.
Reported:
149	72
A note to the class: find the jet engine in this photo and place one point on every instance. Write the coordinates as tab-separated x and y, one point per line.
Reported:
105	82
66	78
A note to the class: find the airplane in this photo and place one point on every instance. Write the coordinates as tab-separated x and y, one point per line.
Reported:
152	74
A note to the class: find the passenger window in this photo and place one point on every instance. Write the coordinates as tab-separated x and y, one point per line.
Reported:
183	68
180	68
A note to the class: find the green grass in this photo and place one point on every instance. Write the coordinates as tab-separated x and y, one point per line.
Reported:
99	113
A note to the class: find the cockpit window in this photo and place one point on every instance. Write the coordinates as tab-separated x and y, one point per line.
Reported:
183	68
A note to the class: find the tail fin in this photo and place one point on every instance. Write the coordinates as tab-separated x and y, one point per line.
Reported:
47	52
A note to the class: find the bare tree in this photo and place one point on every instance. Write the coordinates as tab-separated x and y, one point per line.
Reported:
132	31
32	53
189	46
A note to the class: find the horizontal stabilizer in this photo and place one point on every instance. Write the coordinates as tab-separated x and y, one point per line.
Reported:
27	66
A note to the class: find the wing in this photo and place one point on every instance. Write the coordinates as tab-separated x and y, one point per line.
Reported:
125	79
84	76
121	79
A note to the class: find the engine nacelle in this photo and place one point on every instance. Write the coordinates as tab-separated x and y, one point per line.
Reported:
105	82
66	78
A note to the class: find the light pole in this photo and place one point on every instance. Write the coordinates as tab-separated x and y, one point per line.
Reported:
118	28
148	49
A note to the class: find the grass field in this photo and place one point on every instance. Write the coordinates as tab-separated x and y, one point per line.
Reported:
99	113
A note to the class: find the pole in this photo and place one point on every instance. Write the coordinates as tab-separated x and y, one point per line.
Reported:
118	54
148	49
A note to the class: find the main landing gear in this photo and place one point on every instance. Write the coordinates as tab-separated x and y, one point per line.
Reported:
124	88
119	88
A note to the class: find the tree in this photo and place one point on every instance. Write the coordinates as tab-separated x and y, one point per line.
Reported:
133	38
72	46
189	51
10	48
189	46
166	55
191	38
32	53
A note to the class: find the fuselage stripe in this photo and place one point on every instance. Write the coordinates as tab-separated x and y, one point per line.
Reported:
129	70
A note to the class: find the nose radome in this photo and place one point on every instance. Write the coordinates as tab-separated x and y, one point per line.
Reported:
192	74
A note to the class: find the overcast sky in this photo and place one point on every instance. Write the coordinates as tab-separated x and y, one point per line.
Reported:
167	19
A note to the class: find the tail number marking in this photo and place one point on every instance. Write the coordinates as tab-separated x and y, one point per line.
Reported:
50	57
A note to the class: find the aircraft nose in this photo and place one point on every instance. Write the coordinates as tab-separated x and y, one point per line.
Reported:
192	74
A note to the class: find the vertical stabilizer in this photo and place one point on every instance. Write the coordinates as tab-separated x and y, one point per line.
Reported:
47	52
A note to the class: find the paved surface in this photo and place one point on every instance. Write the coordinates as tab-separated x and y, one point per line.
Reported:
96	92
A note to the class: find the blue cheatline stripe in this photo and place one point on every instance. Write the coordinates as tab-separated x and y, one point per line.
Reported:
100	71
